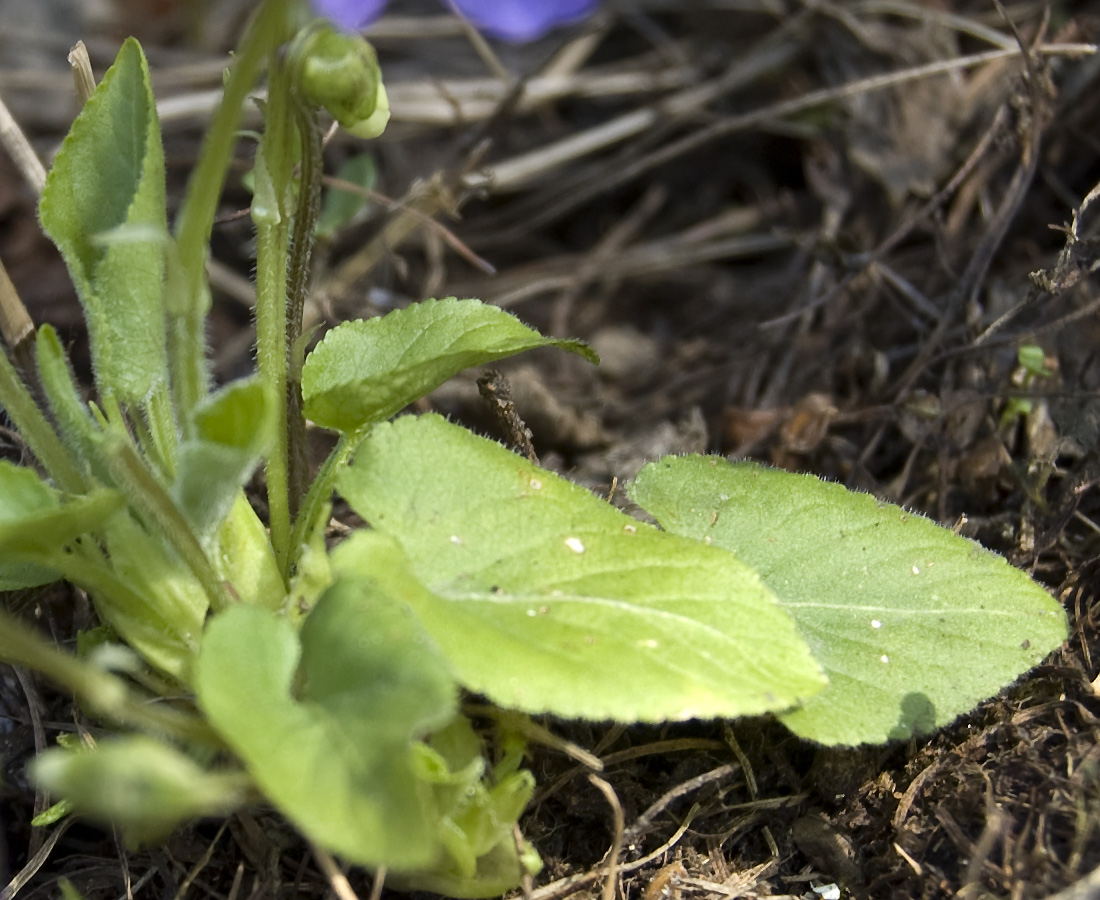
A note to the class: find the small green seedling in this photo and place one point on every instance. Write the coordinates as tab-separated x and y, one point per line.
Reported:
244	661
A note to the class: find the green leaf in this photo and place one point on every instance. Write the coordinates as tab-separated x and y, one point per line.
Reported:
245	559
103	205
478	813
147	595
340	206
913	624
46	532
139	785
367	370
548	599
234	428
335	755
23	494
35	525
78	430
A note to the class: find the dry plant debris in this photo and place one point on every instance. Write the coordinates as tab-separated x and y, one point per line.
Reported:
822	234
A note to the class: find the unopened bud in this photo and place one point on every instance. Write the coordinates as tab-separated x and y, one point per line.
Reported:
340	73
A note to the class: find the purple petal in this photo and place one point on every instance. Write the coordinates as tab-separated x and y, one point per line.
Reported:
350	15
523	20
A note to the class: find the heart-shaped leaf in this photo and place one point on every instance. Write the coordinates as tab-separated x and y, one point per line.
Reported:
367	370
548	599
913	624
331	742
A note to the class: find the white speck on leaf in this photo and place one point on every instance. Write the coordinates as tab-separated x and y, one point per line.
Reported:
575	544
455	539
536	485
875	623
916	571
884	658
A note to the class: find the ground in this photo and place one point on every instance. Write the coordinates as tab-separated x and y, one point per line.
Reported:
813	234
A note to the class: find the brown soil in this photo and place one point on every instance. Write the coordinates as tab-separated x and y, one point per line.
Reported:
780	253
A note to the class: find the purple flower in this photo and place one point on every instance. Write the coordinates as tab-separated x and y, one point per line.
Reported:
511	20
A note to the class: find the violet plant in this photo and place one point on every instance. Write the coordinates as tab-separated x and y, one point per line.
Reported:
243	661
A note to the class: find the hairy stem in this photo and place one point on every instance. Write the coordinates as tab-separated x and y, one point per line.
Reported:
301	248
272	207
189	297
36	430
271	356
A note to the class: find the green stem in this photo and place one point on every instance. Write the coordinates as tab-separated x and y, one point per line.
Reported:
162	429
272	208
36	430
190	298
271	356
106	693
148	497
301	248
321	490
125	607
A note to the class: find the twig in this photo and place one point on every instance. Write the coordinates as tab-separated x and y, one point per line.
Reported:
377	882
992	133
201	864
16	326
83	78
19	881
514	173
692	784
608	792
337	880
34	708
21	151
391	205
973	276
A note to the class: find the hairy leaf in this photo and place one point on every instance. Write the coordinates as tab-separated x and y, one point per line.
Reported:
103	205
367	370
546	598
913	624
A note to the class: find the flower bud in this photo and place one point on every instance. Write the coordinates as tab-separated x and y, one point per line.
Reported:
340	72
375	123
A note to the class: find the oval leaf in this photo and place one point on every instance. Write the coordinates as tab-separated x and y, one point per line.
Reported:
367	370
548	599
337	759
138	784
913	624
103	205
